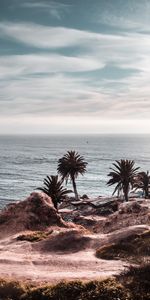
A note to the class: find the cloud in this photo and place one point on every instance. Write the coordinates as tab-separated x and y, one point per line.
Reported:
48	37
94	50
125	49
17	65
60	125
54	85
130	15
62	95
55	9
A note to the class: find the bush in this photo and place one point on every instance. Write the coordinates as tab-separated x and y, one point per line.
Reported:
103	290
137	279
60	291
76	290
132	284
11	289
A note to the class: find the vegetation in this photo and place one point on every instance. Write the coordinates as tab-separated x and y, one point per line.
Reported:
122	175
53	188
70	166
76	290
142	181
34	236
11	289
130	285
134	249
136	280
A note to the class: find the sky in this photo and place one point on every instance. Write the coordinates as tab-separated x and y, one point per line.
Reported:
74	66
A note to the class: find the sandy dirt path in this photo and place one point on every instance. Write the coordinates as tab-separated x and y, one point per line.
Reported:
23	260
20	261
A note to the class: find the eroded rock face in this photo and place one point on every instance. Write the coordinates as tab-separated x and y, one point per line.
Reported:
130	207
34	213
67	241
129	214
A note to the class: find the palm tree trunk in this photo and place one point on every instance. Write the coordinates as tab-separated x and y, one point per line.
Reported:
75	188
56	204
146	193
126	191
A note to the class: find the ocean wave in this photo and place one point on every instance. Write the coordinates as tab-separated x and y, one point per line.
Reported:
29	160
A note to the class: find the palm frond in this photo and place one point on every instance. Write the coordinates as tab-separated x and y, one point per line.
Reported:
122	174
53	188
142	181
70	166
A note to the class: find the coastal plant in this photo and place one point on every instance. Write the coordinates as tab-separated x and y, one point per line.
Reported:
136	280
53	187
77	290
70	166
122	175
142	181
11	289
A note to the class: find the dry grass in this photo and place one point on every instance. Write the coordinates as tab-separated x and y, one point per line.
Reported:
12	289
137	280
34	236
132	284
110	289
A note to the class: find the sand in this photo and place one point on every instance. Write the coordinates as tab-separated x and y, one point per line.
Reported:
19	260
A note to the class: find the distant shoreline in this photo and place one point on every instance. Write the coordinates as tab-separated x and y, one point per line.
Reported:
73	134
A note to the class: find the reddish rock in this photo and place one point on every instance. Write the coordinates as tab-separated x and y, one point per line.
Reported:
34	213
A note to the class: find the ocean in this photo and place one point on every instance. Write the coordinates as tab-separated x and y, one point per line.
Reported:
26	160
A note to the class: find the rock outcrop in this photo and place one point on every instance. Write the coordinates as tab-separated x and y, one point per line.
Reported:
129	214
34	213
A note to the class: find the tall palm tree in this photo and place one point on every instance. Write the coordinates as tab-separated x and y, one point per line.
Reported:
122	175
70	166
142	181
54	189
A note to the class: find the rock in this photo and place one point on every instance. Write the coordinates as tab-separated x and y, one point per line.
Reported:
130	207
84	197
68	241
34	213
85	221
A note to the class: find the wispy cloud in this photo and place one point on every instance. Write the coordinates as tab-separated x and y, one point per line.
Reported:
127	15
63	95
51	37
54	8
123	51
17	65
48	37
47	84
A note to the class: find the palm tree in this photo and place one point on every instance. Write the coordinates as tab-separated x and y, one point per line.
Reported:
122	175
54	189
142	181
70	166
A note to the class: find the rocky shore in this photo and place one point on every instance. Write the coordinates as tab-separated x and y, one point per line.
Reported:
40	244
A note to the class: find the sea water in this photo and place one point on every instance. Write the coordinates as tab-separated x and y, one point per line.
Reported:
26	160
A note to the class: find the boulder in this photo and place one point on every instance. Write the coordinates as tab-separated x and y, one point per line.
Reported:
34	213
130	207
